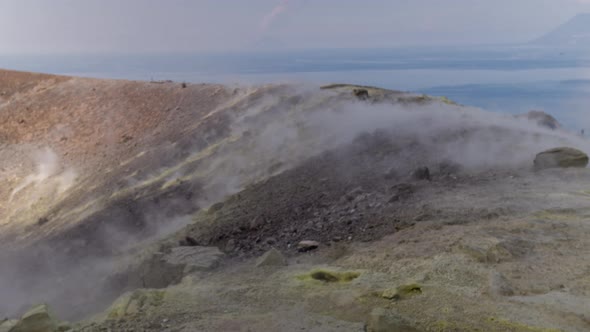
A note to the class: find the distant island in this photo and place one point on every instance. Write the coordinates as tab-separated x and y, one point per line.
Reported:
575	32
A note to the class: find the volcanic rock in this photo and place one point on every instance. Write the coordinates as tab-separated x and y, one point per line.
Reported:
542	119
421	173
7	325
38	319
306	245
361	94
561	157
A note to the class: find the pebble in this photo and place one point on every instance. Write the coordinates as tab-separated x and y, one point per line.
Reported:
307	245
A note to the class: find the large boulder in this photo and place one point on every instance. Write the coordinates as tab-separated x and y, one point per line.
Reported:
561	157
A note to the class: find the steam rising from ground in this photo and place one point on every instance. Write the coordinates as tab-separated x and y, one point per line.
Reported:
472	137
47	166
277	132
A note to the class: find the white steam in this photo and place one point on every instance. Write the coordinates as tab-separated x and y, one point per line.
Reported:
47	167
272	135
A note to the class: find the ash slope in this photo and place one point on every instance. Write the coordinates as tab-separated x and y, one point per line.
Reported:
93	167
286	164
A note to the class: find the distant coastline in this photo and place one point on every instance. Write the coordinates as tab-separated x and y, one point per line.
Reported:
501	78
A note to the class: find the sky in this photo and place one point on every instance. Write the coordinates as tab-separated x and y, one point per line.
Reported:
139	26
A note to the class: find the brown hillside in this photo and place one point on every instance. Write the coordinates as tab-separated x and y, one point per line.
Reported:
90	119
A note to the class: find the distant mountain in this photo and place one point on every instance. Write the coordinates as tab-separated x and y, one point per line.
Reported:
575	32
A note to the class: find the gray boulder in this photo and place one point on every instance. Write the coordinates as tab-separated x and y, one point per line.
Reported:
561	157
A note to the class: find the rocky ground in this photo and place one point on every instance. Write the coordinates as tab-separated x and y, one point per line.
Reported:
283	208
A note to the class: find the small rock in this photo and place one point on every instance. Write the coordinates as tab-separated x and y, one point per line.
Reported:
64	327
125	138
230	246
381	320
421	173
307	245
42	221
190	241
272	257
402	292
256	223
362	94
351	195
401	192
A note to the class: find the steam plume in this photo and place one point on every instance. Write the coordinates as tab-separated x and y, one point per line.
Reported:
273	15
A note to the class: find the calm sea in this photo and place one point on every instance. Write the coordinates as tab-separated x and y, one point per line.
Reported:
511	79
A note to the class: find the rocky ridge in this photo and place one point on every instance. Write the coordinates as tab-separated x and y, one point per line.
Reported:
414	214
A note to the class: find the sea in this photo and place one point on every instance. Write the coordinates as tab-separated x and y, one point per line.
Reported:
500	78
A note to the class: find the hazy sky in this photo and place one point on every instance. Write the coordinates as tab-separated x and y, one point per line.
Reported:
62	26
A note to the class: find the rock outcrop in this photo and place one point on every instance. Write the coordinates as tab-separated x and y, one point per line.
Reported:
542	119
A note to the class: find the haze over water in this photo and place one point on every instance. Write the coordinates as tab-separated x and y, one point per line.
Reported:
510	79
